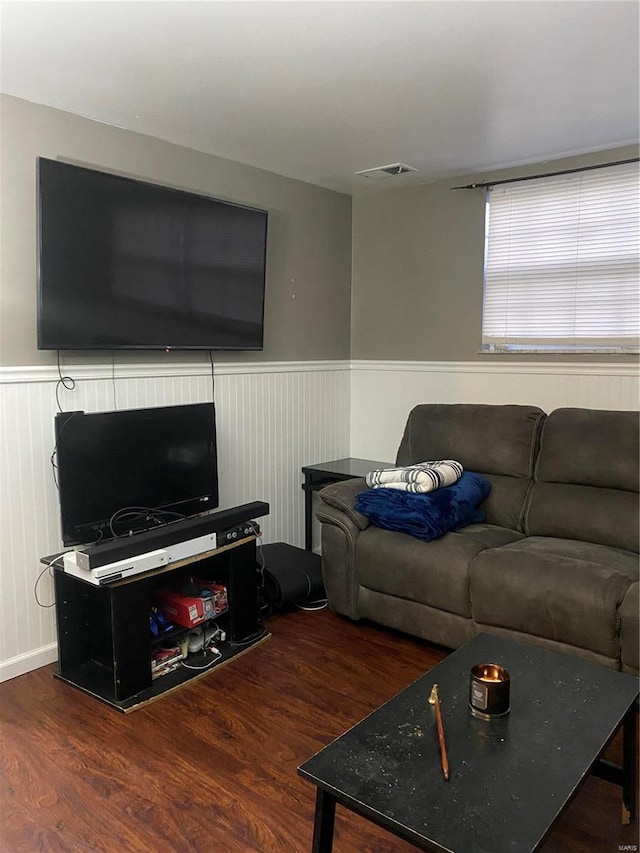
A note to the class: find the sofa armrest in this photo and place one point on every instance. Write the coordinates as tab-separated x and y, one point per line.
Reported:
629	629
341	527
342	496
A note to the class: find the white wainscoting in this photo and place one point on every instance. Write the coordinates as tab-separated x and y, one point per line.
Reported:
382	393
271	420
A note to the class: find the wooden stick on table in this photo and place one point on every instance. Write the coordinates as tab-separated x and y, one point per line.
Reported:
434	699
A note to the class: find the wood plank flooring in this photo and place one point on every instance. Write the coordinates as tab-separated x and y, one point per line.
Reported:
211	768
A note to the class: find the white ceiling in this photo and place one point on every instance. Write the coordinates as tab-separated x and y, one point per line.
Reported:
321	90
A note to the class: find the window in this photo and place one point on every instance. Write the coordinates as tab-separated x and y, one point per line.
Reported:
561	263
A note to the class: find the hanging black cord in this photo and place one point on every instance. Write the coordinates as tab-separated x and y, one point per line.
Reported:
66	382
213	380
545	175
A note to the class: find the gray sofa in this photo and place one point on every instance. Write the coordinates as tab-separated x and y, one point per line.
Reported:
555	563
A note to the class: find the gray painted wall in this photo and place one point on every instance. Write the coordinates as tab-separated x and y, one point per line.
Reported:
418	269
307	314
415	292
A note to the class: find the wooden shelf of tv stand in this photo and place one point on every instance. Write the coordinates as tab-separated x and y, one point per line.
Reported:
104	641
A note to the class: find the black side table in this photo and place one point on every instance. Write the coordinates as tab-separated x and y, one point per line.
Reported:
316	477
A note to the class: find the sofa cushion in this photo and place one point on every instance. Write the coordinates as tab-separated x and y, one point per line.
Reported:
590	447
507	500
561	589
433	573
604	516
484	438
586	478
499	442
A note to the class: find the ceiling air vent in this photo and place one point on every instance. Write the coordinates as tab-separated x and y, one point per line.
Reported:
389	171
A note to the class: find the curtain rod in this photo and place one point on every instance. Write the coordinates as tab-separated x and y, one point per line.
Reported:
546	175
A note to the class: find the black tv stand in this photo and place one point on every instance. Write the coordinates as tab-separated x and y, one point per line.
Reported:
104	637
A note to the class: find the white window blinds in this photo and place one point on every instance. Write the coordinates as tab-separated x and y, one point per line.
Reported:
561	263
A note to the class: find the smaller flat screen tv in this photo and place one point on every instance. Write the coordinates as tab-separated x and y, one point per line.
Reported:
126	471
126	264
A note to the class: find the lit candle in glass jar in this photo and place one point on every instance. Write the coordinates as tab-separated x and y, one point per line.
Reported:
489	690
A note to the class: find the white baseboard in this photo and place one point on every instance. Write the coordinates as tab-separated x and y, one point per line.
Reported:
21	664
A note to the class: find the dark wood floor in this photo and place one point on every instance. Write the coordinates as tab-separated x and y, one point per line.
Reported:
212	767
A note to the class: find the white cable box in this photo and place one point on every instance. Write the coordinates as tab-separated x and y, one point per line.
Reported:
115	571
191	547
141	562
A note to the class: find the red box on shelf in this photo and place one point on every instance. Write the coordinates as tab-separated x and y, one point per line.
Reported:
191	610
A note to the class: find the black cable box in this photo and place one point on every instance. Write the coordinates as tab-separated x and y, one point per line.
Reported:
169	534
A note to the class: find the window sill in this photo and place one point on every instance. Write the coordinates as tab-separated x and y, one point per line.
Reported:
524	350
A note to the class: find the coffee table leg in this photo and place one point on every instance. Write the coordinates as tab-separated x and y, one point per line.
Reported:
323	822
629	767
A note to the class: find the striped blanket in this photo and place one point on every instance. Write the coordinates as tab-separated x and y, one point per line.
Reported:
420	478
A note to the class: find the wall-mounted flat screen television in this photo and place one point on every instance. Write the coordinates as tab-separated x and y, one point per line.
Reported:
125	264
125	471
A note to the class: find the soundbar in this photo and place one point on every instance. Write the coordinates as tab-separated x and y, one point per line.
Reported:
116	550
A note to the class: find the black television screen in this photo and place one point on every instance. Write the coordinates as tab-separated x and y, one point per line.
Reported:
124	264
130	470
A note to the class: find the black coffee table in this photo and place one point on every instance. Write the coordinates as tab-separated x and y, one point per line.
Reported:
511	777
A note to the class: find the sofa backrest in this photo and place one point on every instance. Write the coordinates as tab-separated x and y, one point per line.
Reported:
499	442
586	478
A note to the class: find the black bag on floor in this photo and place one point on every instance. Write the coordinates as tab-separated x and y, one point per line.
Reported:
292	576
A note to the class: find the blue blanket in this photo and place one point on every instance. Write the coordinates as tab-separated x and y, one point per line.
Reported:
427	516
